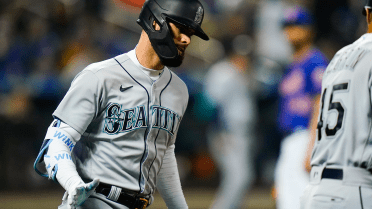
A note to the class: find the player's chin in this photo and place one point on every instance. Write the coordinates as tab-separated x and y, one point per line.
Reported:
176	61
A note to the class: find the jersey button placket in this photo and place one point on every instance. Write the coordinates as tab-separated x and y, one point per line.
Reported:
153	95
150	105
153	102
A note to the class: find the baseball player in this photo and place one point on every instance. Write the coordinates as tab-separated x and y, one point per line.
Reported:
112	141
299	95
342	156
228	88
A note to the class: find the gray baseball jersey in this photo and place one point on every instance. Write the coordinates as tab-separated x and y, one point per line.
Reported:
126	119
345	118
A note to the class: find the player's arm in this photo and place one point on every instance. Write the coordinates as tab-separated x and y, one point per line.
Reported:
169	184
73	115
56	154
312	129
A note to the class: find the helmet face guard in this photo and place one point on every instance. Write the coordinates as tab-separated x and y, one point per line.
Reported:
367	6
186	12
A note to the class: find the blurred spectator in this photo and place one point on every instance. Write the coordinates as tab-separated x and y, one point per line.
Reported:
300	91
229	89
331	35
268	74
81	49
17	132
6	35
271	42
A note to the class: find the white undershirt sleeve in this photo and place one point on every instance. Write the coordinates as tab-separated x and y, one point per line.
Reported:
58	159
169	184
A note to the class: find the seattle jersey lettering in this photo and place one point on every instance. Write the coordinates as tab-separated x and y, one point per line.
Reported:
118	120
165	118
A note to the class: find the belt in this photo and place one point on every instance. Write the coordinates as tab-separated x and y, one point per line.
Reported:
116	194
332	173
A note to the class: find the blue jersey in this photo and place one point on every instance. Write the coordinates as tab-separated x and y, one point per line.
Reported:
301	82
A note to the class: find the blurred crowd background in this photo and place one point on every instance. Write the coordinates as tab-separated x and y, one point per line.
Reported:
44	44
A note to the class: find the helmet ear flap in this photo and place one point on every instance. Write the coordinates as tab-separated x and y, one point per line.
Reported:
147	20
161	12
161	40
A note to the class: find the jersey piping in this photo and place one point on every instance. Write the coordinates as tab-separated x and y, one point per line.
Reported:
156	150
147	128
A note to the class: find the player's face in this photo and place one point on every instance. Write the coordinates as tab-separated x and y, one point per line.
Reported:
181	36
298	34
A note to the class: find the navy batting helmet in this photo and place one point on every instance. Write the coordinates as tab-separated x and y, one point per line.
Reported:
189	13
367	6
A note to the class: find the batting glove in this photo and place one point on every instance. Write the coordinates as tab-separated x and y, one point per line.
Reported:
79	193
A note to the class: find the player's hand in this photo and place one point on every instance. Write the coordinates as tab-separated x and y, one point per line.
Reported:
78	194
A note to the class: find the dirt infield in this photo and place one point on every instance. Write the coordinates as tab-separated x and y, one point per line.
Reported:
196	199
